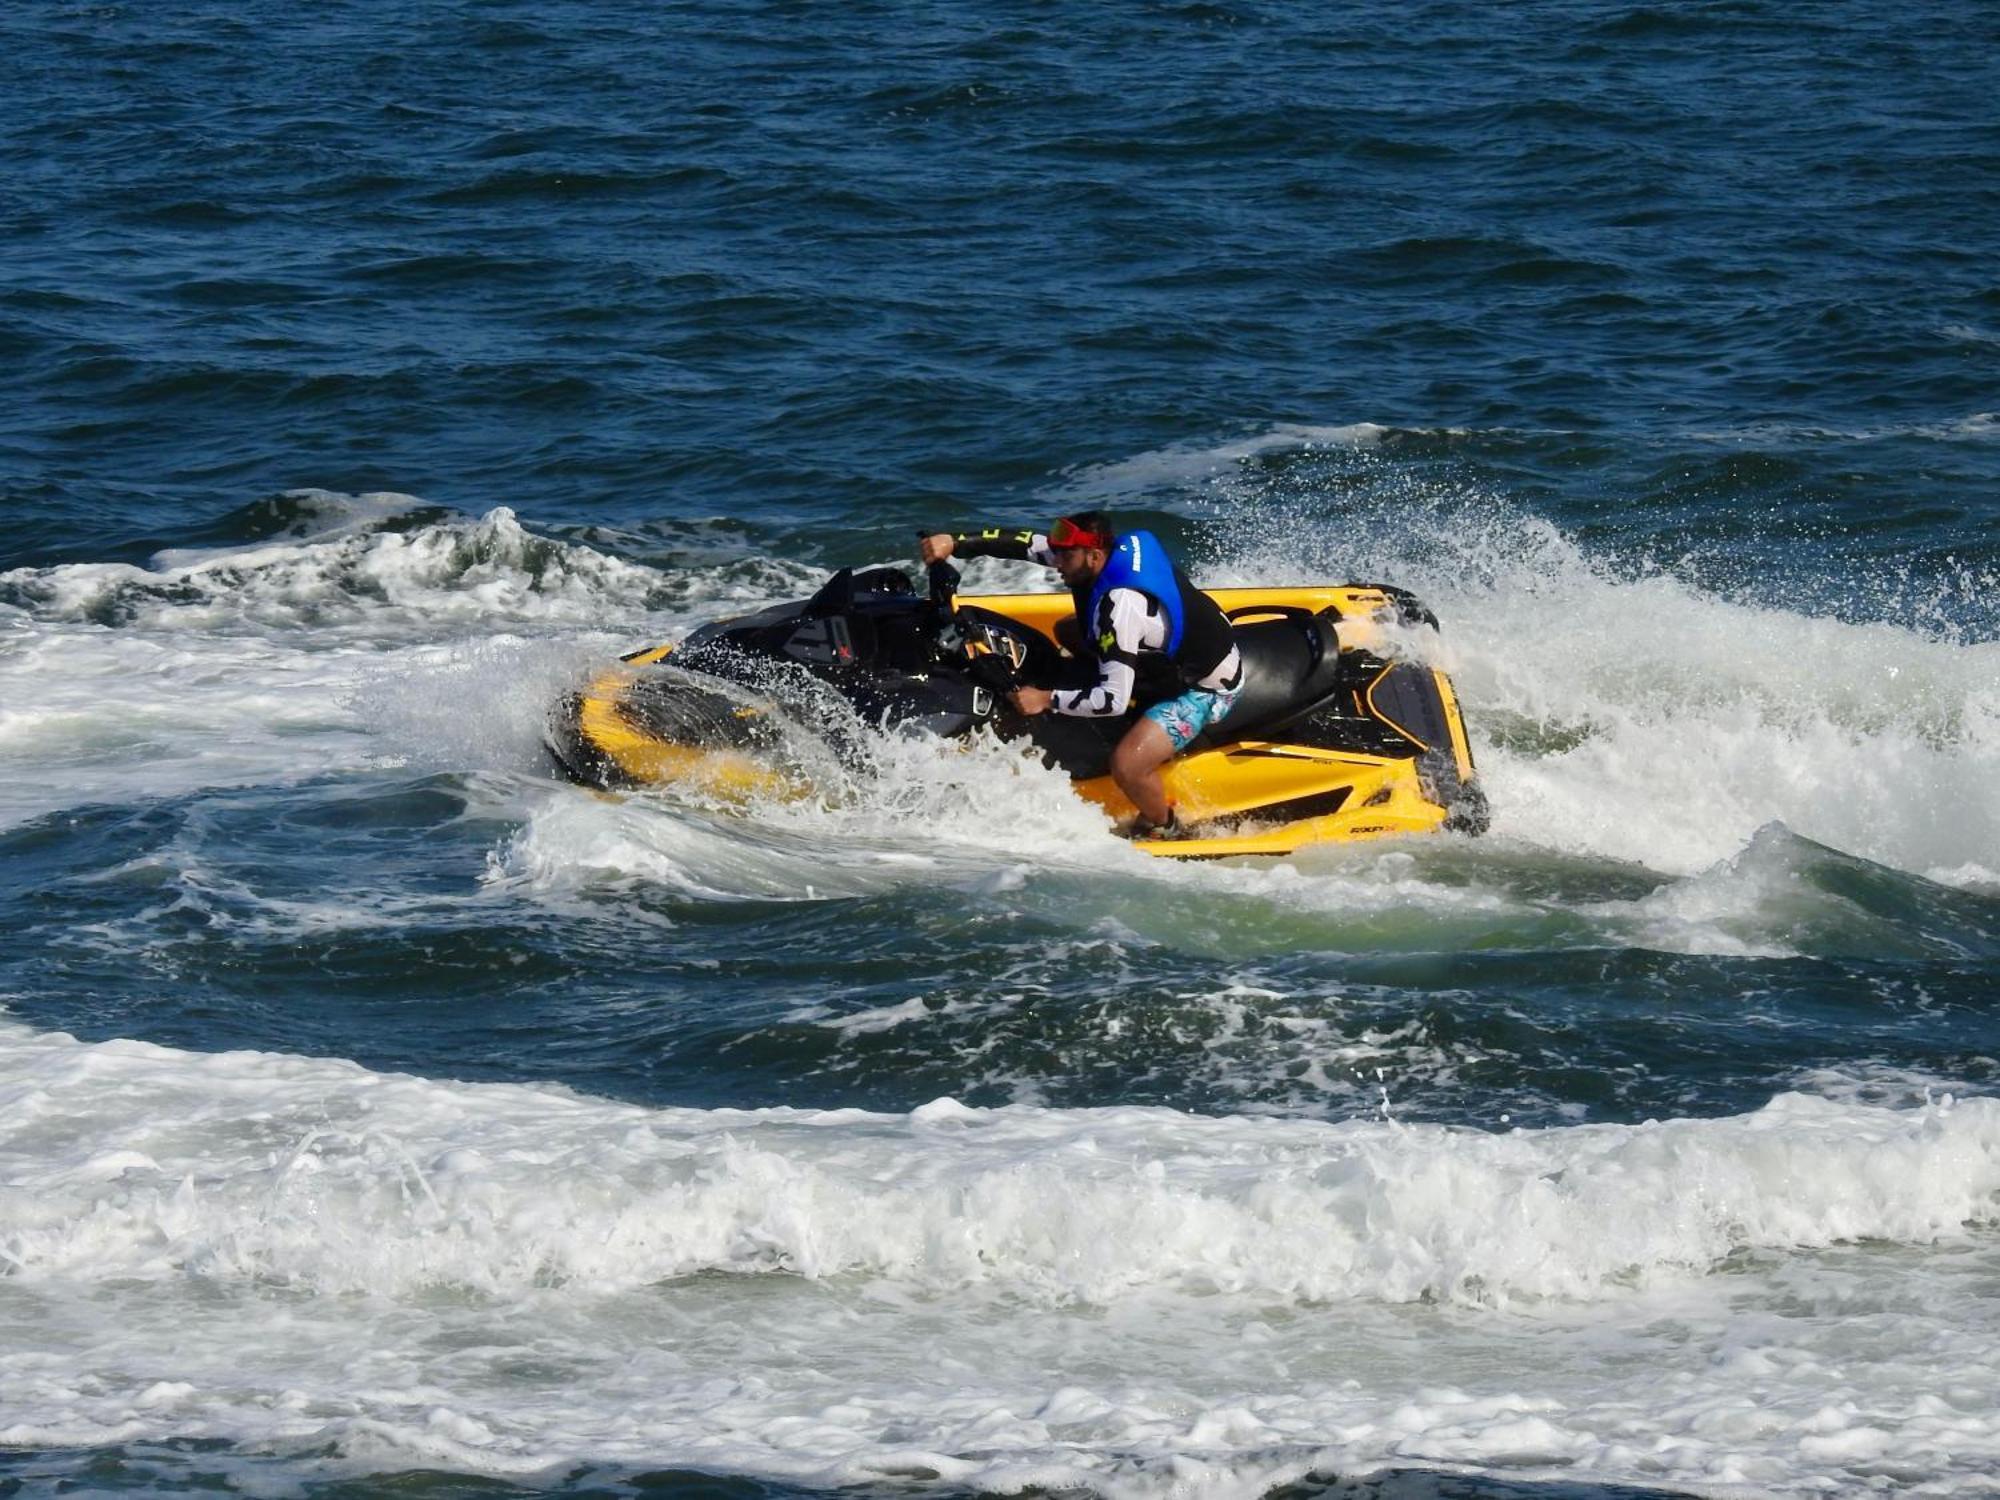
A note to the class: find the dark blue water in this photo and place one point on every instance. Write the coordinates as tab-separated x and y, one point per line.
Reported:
855	268
368	371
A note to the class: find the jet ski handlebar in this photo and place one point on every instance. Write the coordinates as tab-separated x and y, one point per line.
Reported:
944	588
991	657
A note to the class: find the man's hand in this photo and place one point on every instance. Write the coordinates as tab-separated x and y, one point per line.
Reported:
1030	700
935	548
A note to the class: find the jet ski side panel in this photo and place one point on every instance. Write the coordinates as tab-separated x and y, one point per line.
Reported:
1284	796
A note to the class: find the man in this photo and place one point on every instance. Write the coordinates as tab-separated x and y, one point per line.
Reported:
1157	640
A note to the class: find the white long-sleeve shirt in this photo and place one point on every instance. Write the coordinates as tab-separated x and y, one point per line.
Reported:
1129	622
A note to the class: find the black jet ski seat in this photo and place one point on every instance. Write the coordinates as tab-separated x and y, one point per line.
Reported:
1291	665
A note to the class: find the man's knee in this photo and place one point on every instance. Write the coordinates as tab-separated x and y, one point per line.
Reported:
1144	748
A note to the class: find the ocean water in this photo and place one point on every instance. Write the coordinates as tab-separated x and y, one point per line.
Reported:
380	1116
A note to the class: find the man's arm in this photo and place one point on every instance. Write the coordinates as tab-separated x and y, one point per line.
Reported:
991	541
1127	623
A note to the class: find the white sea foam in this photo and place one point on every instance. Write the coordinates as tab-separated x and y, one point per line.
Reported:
510	1278
92	715
911	811
340	649
317	516
927	816
353	581
1634	717
1698	721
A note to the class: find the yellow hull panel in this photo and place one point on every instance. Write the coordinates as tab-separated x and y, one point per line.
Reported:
644	758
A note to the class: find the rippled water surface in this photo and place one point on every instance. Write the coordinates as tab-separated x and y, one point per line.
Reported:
378	1114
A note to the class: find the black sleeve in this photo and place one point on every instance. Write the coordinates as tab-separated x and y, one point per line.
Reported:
994	542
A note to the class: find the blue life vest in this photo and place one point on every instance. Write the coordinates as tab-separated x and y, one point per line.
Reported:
1138	561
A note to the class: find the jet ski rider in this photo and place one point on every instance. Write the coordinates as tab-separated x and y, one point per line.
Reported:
1156	638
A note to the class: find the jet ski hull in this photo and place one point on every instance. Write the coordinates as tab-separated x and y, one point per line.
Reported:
1341	734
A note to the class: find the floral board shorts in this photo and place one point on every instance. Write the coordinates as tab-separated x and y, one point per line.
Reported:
1188	715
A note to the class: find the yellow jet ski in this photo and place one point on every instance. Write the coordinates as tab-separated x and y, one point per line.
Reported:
1340	734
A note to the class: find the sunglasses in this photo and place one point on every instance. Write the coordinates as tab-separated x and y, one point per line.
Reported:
1066	534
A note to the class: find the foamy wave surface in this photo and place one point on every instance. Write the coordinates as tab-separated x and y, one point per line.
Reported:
126	1159
1136	1302
357	577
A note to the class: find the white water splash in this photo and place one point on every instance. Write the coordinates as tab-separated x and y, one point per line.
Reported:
1627	714
509	1279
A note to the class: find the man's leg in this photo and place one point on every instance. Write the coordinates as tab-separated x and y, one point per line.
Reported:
1164	731
1135	766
